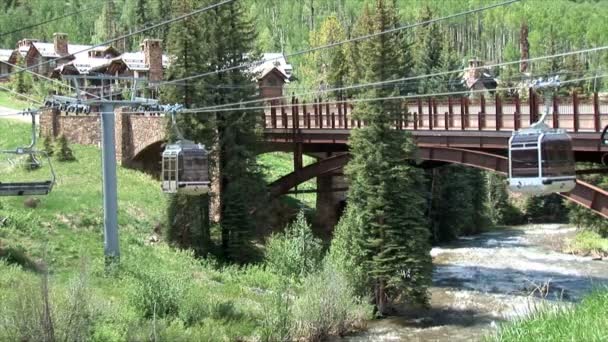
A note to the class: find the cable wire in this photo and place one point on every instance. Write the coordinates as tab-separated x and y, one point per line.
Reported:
418	77
147	28
396	97
331	45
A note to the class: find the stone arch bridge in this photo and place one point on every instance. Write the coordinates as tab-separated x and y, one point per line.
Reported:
461	131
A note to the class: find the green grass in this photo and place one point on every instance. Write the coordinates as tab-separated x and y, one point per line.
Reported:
11	101
155	291
585	322
588	243
278	164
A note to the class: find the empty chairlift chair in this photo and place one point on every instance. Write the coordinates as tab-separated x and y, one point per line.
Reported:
29	188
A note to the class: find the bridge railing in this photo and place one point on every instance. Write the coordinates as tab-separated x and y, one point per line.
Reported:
573	113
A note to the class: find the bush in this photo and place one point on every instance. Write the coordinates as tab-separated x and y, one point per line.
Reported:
327	305
296	252
63	152
546	209
346	253
48	145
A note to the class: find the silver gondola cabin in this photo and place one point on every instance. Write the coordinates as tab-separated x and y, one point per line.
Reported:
185	169
541	162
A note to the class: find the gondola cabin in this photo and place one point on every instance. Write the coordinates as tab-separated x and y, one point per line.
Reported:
185	169
605	136
541	162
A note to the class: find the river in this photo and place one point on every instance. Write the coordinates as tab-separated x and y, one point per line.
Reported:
483	280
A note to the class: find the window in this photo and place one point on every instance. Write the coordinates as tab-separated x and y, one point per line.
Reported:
524	163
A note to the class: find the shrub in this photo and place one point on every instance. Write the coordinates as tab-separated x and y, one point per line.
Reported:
48	145
296	252
327	305
346	253
276	322
63	151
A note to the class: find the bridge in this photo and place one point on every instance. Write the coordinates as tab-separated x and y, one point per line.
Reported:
471	132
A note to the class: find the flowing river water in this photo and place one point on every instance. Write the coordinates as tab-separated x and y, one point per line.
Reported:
484	280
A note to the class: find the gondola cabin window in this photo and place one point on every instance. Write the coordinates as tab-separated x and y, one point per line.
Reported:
525	163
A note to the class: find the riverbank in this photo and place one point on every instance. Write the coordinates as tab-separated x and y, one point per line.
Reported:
482	282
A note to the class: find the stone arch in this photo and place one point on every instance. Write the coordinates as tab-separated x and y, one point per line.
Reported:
148	158
583	194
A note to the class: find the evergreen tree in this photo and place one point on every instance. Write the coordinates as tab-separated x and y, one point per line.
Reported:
63	152
48	145
384	189
427	50
241	184
22	81
188	217
222	38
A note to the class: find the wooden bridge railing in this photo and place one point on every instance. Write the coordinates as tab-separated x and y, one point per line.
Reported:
572	113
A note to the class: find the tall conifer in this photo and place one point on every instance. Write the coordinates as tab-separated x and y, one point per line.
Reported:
384	188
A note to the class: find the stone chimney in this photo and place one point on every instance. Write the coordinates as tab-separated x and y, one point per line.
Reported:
26	42
60	40
153	58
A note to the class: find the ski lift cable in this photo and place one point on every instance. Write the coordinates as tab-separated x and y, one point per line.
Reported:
138	31
331	45
418	77
357	100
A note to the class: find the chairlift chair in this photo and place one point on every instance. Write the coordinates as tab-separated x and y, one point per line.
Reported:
24	188
185	166
541	159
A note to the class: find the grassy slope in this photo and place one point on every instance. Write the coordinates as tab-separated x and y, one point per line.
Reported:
66	231
278	164
585	322
9	101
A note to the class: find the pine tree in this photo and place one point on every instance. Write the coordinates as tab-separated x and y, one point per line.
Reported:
241	183
48	145
427	48
63	152
384	188
188	217
221	38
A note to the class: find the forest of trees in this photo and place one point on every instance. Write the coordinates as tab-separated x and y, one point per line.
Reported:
395	209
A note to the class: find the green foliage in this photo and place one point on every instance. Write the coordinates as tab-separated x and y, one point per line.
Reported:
21	82
459	202
63	152
384	190
48	145
548	208
296	252
347	253
586	321
588	243
327	305
500	209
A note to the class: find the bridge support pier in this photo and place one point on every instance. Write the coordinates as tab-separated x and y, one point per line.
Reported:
331	199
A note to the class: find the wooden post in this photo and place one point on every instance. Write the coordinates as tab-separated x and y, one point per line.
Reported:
430	106
284	115
555	112
435	113
333	120
273	114
345	114
481	116
415	121
517	114
450	113
327	114
339	114
320	106
498	111
596	112
296	116
462	110
420	119
533	105
315	111
575	110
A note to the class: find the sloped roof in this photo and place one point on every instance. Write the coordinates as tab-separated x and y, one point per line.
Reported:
270	61
5	55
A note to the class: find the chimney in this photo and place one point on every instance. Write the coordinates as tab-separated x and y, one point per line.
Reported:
26	42
153	58
60	40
